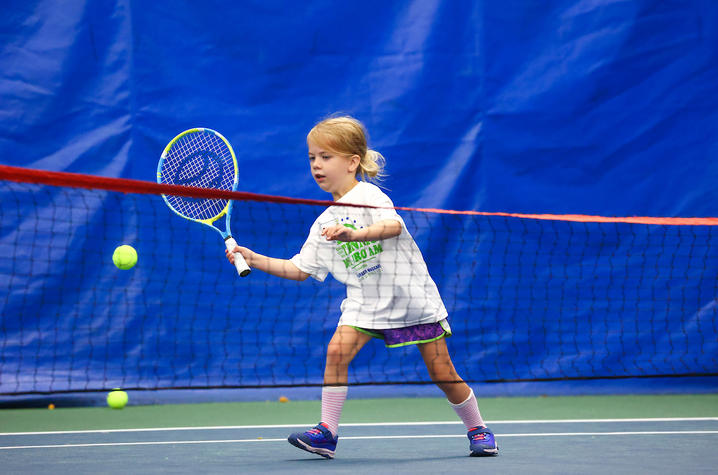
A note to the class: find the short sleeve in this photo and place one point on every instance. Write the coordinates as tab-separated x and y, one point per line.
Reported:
385	207
309	259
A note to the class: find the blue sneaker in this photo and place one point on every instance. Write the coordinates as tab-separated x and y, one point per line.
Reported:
318	440
482	442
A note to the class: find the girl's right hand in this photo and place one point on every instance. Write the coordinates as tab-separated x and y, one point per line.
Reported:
246	253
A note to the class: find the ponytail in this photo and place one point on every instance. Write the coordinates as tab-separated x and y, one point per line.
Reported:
371	166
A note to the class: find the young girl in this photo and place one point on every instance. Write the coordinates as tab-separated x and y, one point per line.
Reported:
390	294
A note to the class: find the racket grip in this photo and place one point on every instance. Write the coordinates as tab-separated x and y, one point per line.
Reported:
242	268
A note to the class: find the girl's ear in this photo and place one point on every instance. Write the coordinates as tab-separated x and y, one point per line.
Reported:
354	161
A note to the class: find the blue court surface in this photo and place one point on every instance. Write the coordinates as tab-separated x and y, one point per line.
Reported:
652	445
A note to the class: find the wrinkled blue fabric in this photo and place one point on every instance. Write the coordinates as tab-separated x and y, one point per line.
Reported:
593	107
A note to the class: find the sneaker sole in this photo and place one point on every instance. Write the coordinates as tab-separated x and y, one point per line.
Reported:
484	453
326	453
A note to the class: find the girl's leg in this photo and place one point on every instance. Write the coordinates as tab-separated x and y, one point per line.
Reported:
442	372
342	349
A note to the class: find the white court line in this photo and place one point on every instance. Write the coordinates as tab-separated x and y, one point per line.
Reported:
363	437
362	424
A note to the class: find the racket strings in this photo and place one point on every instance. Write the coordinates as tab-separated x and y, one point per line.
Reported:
203	160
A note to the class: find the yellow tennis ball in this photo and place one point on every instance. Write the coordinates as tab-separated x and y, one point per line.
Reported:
124	257
283	399
117	399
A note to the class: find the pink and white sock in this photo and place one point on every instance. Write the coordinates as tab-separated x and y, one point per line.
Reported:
468	411
333	398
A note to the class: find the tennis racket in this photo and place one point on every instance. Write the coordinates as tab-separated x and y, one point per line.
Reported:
203	158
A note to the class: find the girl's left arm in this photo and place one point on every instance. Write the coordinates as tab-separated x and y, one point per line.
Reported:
378	231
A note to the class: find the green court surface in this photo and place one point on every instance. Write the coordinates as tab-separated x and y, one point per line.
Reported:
578	434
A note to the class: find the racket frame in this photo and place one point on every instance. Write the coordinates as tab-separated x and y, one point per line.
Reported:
240	264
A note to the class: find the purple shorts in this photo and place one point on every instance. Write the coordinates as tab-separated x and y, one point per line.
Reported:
413	335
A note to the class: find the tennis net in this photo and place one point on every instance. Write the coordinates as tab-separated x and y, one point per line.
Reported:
529	297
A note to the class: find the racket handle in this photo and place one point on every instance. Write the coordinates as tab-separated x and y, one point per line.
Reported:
242	268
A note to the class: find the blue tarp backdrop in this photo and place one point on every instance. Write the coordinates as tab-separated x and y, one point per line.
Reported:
599	107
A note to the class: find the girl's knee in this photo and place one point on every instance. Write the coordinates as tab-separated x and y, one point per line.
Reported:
446	377
335	354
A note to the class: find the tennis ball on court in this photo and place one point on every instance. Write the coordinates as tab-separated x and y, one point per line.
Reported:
283	399
124	257
51	406
117	399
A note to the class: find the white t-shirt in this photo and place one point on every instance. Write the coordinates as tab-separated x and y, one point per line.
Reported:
388	283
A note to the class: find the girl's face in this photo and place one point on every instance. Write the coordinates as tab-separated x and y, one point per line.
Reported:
334	173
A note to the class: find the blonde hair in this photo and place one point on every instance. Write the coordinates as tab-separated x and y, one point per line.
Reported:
347	136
